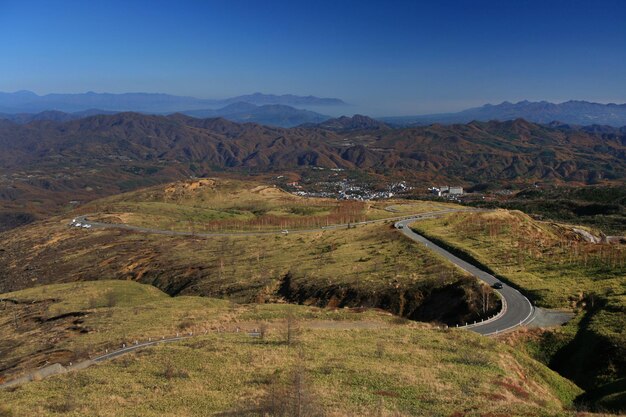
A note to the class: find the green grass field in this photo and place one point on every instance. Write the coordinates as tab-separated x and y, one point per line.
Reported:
208	205
351	358
371	265
550	262
558	269
340	362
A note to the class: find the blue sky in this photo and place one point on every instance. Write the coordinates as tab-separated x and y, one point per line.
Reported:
384	57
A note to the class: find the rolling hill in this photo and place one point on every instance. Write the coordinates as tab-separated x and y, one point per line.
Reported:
514	150
342	362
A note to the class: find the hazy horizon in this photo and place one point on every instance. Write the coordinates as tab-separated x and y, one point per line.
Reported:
391	59
349	109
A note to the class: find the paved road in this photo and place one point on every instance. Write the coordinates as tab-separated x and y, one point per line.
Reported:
130	348
517	309
84	220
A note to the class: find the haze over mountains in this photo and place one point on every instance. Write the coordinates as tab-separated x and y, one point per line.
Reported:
28	102
572	112
275	110
269	114
287	110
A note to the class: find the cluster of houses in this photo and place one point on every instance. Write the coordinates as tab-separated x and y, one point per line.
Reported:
348	190
446	191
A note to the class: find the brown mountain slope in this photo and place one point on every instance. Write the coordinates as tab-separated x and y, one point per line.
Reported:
499	150
44	165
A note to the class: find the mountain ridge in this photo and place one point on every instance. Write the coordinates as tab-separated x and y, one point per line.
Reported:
184	138
46	165
578	112
267	114
25	101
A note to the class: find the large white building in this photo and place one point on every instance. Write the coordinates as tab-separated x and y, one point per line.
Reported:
446	190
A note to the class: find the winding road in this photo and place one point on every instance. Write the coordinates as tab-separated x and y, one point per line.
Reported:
516	310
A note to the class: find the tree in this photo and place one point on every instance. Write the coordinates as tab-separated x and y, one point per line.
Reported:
292	328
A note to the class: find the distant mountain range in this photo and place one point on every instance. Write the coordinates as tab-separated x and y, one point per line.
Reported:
346	124
268	114
582	113
29	102
290	110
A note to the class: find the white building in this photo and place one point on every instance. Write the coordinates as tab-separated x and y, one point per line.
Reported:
446	190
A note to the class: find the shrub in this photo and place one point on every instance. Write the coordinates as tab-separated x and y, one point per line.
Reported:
5	411
185	324
171	372
111	299
380	349
67	405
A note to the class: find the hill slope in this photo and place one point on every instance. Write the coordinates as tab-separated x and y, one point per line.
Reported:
515	150
339	363
556	267
369	266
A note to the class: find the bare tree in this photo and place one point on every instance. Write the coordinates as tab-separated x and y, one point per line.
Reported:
263	330
302	399
292	328
290	397
111	299
484	292
380	349
15	323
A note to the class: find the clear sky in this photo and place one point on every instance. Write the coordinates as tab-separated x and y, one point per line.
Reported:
385	57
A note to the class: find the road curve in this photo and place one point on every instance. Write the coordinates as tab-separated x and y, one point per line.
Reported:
517	309
84	220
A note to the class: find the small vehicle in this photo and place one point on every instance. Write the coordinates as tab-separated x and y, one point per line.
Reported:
498	285
86	226
78	224
400	226
284	232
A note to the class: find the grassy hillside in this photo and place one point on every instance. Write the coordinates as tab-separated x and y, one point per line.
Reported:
557	268
340	362
601	207
369	265
211	205
551	262
69	322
